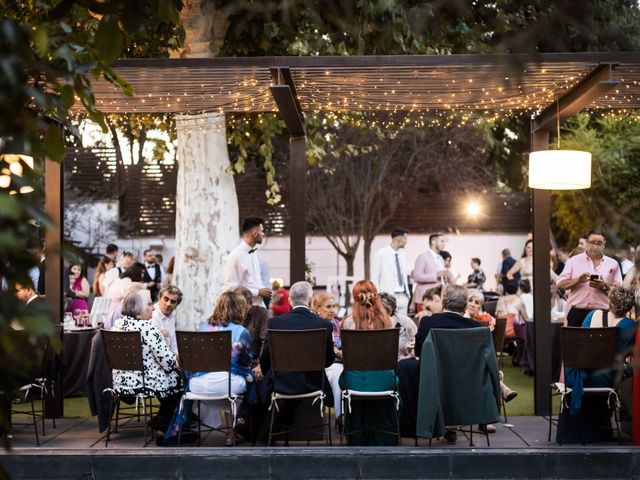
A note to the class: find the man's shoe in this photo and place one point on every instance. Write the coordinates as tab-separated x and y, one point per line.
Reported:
450	436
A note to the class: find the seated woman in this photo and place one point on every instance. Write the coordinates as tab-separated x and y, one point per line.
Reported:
280	301
475	302
588	419
324	305
408	328
161	377
431	303
369	420
228	315
511	307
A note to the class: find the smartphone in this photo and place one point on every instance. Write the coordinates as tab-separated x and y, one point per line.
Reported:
594	277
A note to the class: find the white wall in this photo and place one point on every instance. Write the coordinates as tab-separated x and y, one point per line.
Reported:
275	251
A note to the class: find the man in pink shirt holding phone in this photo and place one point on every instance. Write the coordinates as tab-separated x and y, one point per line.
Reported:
588	276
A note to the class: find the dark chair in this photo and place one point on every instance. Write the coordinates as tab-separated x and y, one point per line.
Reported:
207	352
490	306
124	352
370	350
498	335
588	348
301	351
38	383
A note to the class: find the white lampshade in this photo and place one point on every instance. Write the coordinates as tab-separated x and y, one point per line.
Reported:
559	169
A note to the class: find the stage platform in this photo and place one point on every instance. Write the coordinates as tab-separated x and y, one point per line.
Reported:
75	450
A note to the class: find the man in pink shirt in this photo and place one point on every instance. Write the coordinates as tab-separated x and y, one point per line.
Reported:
588	277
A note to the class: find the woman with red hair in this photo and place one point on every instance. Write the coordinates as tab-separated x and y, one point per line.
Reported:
371	422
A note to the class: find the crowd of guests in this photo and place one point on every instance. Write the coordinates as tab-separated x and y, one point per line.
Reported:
587	287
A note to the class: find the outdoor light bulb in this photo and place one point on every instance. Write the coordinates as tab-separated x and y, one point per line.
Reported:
26	189
16	169
28	160
473	208
5	181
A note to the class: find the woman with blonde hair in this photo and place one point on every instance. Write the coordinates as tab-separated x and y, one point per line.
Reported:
369	420
228	314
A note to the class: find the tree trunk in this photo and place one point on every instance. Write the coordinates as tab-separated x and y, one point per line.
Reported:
206	215
367	257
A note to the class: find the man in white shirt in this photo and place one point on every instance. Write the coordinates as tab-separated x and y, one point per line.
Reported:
243	264
389	272
164	315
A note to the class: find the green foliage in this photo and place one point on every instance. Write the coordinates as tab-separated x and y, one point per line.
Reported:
49	53
613	201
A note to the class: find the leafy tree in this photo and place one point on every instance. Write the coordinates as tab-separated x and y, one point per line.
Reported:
49	52
613	201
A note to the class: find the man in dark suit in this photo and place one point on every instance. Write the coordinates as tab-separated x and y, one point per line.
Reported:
507	262
300	318
454	302
152	274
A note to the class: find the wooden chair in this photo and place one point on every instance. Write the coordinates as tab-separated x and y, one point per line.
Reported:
124	352
372	351
207	352
302	351
588	348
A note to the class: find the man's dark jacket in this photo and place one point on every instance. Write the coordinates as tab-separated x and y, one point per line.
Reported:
291	383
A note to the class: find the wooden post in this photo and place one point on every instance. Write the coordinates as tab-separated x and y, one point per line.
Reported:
53	188
541	286
53	206
297	208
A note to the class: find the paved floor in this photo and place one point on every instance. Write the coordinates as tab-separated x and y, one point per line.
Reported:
74	434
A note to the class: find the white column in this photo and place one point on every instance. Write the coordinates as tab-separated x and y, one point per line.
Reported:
206	215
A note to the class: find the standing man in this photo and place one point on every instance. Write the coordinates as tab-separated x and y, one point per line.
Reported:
429	270
389	272
152	274
112	251
110	276
243	264
507	263
587	276
164	315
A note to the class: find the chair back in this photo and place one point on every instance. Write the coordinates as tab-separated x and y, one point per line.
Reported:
204	351
589	347
298	350
124	350
498	334
490	307
370	350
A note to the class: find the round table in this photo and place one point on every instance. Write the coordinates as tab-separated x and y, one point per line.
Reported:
76	351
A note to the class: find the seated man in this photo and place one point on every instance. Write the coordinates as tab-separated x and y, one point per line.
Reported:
454	302
164	315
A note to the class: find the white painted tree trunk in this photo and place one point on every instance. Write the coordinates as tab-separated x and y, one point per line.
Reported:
206	215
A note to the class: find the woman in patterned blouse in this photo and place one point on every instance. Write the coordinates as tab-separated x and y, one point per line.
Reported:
161	377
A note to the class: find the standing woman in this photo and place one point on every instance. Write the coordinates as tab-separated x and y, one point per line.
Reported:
524	265
78	289
228	315
104	265
368	418
632	278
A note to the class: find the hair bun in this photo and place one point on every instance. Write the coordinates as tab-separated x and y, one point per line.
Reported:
367	298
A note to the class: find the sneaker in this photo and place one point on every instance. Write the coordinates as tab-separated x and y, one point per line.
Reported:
450	436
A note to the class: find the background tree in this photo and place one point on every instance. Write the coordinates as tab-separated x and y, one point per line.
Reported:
49	52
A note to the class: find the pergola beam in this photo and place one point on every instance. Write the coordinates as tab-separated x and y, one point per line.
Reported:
598	82
590	88
284	94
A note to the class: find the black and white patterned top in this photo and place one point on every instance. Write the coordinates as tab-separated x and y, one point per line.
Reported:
161	377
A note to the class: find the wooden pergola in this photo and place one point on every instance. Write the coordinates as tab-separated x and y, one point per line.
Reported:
546	86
